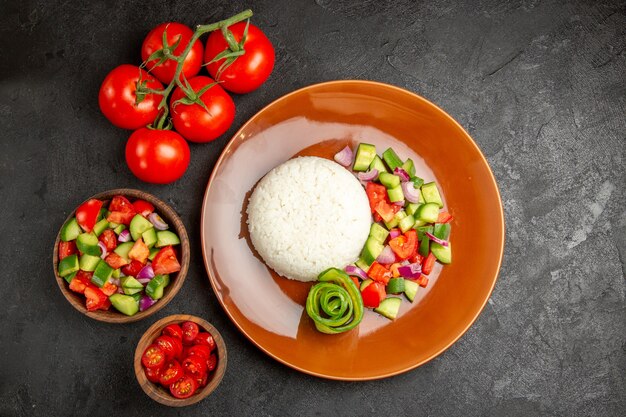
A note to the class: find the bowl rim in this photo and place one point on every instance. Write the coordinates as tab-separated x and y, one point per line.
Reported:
501	225
112	316
159	394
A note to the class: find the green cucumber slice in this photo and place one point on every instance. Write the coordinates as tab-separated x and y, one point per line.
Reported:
371	250
149	237
406	223
166	238
409	167
389	307
410	289
365	283
378	232
378	165
68	265
153	253
123	249
442	253
70	277
88	243
395	194
130	285
365	154
391	159
138	225
389	180
395	286
125	304
70	230
88	262
101	274
431	194
428	212
100	227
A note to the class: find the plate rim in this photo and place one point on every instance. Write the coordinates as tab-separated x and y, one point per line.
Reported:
212	279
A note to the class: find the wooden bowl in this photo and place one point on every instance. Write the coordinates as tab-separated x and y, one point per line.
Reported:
112	315
157	392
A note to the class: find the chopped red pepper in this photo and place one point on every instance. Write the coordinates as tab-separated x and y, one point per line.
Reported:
429	263
404	246
379	273
444	217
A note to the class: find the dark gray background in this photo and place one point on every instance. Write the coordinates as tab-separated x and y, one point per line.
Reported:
541	87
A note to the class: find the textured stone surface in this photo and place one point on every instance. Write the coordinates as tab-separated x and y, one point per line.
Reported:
540	85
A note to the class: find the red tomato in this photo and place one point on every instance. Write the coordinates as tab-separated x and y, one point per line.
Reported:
429	263
196	123
171	372
173	330
122	211
133	268
202	351
96	299
166	70
248	71
139	252
211	363
375	193
109	289
157	156
404	246
143	207
205	338
373	294
194	365
185	387
153	357
202	380
67	248
153	374
379	273
81	281
190	331
87	213
117	98
168	345
115	261
165	262
109	238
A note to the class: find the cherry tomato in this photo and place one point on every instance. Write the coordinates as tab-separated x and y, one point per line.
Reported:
173	330
196	123
168	345
143	207
205	338
67	248
190	331
117	98
202	351
171	372
194	365
133	268
211	363
109	238
87	214
153	374
166	70
157	156
153	357
202	380
185	387
165	262
248	71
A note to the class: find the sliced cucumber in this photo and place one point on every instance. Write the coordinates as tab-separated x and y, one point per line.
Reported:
389	180
365	283
68	265
100	227
411	208
428	212
88	262
431	194
406	223
378	165
391	159
409	167
70	277
395	194
131	286
378	232
70	230
149	237
166	238
138	225
395	286
123	249
125	304
410	289
153	253
101	274
442	253
365	154
396	219
88	243
371	250
389	307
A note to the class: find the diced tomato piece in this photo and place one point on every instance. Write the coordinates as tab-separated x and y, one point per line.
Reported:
87	213
371	295
211	363
379	273
120	218
143	207
96	299
444	217
205	339
394	270
109	289
429	263
173	330
404	245
81	281
109	238
375	194
139	252
385	210
165	261
200	350
121	204
416	259
377	217
67	248
423	281
115	261
133	268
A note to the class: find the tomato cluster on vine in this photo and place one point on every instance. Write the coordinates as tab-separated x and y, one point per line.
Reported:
167	102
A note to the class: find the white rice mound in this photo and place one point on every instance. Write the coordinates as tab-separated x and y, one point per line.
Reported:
307	215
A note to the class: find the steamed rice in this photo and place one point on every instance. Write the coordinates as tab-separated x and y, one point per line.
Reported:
307	215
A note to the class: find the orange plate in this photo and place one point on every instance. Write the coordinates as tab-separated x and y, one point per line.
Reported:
320	120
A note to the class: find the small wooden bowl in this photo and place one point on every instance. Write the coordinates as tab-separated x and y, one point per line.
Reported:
112	315
157	392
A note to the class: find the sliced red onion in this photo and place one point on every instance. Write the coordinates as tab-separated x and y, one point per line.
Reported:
146	272
411	271
124	236
355	271
104	250
400	172
145	303
344	156
370	175
387	256
411	193
436	239
114	281
144	281
157	221
394	233
399	203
